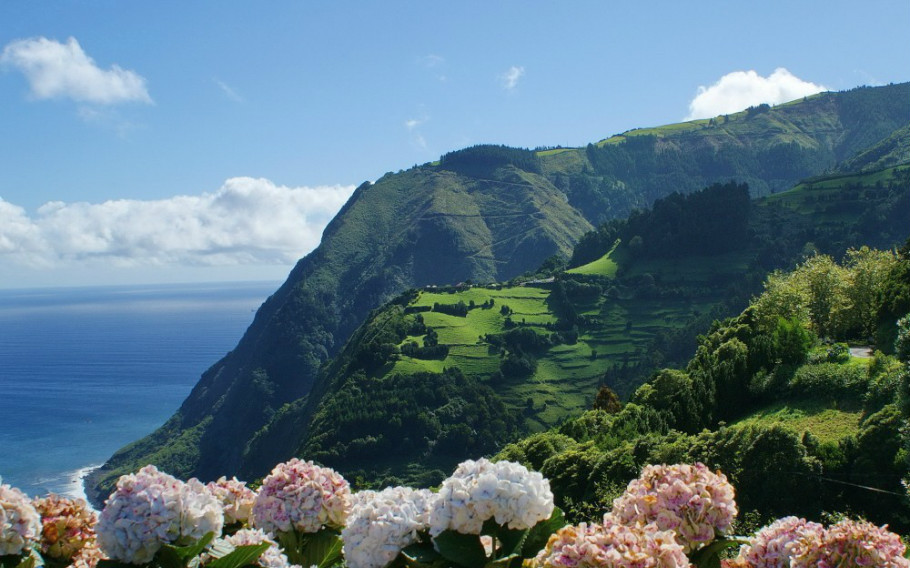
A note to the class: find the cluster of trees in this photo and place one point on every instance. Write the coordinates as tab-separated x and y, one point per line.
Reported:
372	423
483	159
713	220
769	354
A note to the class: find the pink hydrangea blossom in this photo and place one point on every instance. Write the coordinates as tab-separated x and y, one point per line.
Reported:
67	526
690	500
776	544
855	543
612	545
302	496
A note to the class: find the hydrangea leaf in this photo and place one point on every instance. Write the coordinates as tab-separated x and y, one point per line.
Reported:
462	549
540	533
17	561
241	556
709	556
421	555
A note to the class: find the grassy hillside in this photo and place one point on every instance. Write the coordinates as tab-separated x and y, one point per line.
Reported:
769	397
540	347
483	214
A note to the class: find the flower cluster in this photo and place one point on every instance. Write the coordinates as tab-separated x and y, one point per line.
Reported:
479	490
612	545
774	545
20	524
690	500
858	543
383	523
796	543
271	558
67	526
303	496
236	499
152	508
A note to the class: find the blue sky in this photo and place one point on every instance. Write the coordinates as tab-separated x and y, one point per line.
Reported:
194	141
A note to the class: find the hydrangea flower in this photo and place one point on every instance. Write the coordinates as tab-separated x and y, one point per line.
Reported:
20	524
690	500
855	543
87	557
612	545
383	523
152	508
479	490
236	499
271	558
67	526
776	544
303	496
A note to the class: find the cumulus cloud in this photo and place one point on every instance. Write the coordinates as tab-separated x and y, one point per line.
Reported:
246	222
57	70
510	78
741	89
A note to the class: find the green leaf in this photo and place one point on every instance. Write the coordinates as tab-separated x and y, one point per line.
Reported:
321	549
421	555
540	533
709	556
510	541
462	549
505	562
17	561
241	556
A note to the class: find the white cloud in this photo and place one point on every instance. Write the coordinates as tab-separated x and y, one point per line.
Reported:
741	89
57	70
246	222
413	126
228	91
432	60
510	78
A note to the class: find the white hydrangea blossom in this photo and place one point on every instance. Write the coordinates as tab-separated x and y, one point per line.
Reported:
201	511
20	525
382	523
479	490
151	508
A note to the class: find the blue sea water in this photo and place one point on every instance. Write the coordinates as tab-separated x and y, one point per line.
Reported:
84	371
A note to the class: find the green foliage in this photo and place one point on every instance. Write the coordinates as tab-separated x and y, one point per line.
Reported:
489	214
384	423
482	159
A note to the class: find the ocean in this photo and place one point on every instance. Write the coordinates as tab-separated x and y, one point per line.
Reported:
84	371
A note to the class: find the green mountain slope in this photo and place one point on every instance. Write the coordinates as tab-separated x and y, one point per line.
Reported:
538	349
483	214
796	421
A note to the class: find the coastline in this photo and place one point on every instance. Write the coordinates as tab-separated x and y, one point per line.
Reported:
76	487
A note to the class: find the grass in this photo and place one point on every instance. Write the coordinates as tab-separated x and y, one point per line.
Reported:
825	421
603	266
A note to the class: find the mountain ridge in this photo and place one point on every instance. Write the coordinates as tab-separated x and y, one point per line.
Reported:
381	243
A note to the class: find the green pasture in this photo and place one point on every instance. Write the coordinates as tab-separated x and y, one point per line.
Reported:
827	422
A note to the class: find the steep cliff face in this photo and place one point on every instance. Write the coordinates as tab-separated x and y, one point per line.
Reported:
485	215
